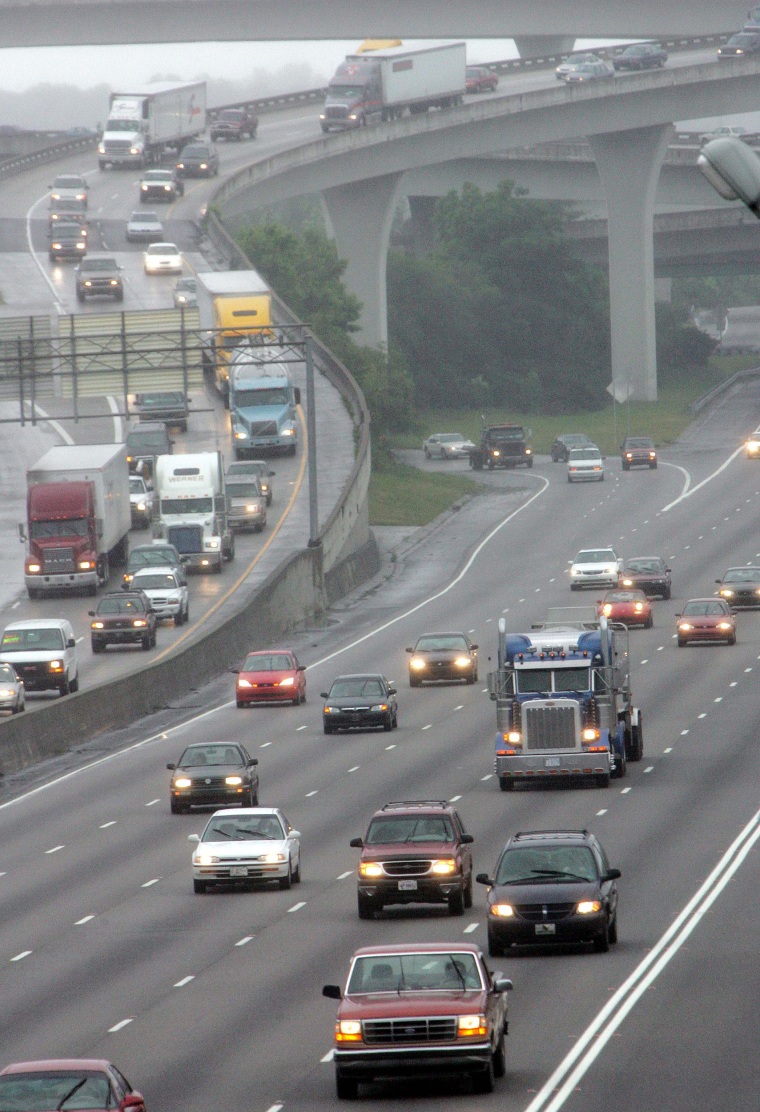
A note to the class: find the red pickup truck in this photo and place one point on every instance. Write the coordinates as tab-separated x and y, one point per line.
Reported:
421	1008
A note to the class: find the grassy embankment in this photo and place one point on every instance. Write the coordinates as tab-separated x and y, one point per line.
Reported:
402	495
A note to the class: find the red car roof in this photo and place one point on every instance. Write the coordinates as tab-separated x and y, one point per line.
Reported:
53	1064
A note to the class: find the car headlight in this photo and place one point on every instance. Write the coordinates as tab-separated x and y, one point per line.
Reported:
332	710
514	737
638	607
183	782
96	625
274	858
139	623
472	1025
348	1030
55	665
205	859
463	662
496	452
378	708
290	431
726	592
753	445
684	627
370	868
287	682
241	435
140	506
501	911
724	625
627	582
233	781
418	663
607	609
445	867
244	683
589	907
213	543
7	692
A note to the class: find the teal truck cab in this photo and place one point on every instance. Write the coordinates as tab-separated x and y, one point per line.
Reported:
263	401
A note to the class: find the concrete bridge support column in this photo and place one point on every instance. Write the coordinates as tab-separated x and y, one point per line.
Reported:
360	216
629	166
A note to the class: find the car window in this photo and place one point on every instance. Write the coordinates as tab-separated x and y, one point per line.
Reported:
151	582
706	608
359	687
645	567
244	829
414	973
442	643
409	828
199	756
66	1090
14	639
268	662
539	862
121	606
741	575
595	556
584	453
624	596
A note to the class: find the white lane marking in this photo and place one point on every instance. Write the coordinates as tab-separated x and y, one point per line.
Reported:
152	802
105	825
454	798
185	981
561	1084
265	744
299	728
118	1026
82	921
703	715
354	768
719	699
660	648
149	883
428	727
649	769
344	876
328	1057
244	941
297	907
668	750
22	955
113	405
734	684
56	425
747	669
54	849
488	777
645	661
684	732
625	791
470	928
687	493
602	812
390	747
15	605
2	874
310	794
460	707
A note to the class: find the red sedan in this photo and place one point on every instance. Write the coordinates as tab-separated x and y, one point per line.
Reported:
271	676
706	619
480	79
628	607
90	1084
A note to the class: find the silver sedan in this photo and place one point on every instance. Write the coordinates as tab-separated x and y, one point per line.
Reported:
12	696
246	844
447	445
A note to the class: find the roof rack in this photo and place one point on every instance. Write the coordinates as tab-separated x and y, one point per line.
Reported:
549	833
416	803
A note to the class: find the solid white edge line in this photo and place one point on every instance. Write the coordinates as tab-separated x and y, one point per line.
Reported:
688	493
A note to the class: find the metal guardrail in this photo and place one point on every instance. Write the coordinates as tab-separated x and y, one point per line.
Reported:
16	164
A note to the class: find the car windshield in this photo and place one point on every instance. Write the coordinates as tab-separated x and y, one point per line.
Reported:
97	265
595	556
153	581
151	557
624	596
450	438
7	674
268	662
197	505
144	218
198	756
16	640
578	59
638	442
645	567
247	828
413	973
137	486
146	442
186	284
360	687
165	397
121	606
534	863
385	830
69	181
584	453
162	249
705	608
158	175
574	440
196	152
244	490
553	679
64	1090
442	642
507	434
742	575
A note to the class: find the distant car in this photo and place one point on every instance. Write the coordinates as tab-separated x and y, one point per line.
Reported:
725	132
67	242
552	886
443	656
480	79
167	592
740	45
414	852
185	293
169	406
67	206
43	653
160	185
258	467
585	465
641	55
740	587
247	504
162	258
572	61
270	676
706	619
215	774
68	186
649	574
99	276
447	445
123	618
752	447
198	160
565	442
141	499
235	123
359	701
249	844
638	451
157	555
67	1084
588	72
628	606
144	227
145	440
11	690
595	567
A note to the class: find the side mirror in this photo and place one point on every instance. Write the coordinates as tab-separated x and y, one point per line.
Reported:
474	647
678	615
171	767
271	472
235	671
612	874
332	992
484	878
467	839
253	761
91	613
301	667
193	838
21	531
71	643
294	833
323	694
502	984
409	650
356	843
392	691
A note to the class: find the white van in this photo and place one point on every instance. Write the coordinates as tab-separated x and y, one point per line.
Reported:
585	465
44	653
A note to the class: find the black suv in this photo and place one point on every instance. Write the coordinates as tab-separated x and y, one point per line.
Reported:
123	618
198	160
99	275
67	241
156	555
443	656
214	774
638	451
566	442
414	852
551	886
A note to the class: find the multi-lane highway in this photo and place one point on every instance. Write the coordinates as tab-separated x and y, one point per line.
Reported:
214	1001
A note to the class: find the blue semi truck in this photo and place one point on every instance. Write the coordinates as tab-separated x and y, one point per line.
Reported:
263	400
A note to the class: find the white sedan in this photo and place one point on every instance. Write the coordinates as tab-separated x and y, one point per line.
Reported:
144	227
447	445
595	567
246	844
167	592
162	258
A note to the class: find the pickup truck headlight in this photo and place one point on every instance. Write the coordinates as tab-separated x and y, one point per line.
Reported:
471	1025
183	782
241	435
726	592
348	1030
290	431
55	665
501	911
139	623
445	867
370	869
627	582
233	781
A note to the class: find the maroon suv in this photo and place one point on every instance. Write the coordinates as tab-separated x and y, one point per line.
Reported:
414	852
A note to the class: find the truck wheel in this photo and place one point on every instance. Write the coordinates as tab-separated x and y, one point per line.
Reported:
602	940
468	892
477	464
65	688
97	646
365	907
74	685
506	784
637	740
199	887
456	903
346	1088
485	1080
612	933
33	593
495	949
603	780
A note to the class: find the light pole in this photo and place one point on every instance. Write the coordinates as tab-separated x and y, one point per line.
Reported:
733	170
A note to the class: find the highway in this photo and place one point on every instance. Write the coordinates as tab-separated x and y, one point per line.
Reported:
214	1001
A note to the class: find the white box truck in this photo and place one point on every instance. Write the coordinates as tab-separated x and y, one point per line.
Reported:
233	306
192	508
78	517
144	123
383	84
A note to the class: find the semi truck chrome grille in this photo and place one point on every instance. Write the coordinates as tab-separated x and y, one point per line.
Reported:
550	727
58	560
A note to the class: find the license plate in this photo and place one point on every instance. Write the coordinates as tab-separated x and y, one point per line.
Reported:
238	870
552	762
407	886
545	928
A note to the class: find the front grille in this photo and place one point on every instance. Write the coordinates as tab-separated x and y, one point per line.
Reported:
263	428
118	145
186	539
550	727
544	913
57	561
336	112
208	783
406	868
387	1032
